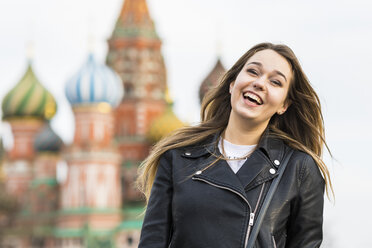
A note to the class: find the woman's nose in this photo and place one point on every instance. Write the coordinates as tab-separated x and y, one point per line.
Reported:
259	83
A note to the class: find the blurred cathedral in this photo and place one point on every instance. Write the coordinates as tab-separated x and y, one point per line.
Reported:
120	110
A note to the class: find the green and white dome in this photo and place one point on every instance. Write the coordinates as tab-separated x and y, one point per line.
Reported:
29	98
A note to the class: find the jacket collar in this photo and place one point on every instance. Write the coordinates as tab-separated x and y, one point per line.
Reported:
261	163
272	147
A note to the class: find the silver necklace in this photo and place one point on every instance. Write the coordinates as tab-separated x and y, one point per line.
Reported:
233	157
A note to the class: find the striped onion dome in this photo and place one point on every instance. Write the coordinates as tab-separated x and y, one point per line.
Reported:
47	140
94	83
165	124
29	98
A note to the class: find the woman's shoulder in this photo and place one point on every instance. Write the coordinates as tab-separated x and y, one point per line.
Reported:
306	166
194	150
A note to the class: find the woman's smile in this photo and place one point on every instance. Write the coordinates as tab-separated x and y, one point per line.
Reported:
252	98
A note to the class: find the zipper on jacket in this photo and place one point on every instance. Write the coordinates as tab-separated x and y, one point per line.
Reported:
252	215
223	187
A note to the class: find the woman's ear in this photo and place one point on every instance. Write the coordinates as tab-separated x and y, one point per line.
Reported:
231	86
286	105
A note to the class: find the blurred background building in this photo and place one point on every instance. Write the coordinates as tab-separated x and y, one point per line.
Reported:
120	110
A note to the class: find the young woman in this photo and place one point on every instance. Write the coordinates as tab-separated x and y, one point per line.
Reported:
205	184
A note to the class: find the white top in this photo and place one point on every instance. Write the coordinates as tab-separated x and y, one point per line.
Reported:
233	150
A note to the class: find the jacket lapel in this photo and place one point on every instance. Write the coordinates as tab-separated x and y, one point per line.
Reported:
255	171
260	166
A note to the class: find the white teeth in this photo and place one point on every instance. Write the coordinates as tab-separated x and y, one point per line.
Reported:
253	96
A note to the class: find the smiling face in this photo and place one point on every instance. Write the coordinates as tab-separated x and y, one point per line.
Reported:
260	89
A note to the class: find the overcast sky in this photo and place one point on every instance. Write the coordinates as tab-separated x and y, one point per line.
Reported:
331	38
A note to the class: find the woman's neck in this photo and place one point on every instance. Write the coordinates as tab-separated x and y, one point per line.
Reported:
242	132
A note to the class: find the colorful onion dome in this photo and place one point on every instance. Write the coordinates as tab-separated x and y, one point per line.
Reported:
212	79
47	140
164	124
29	98
94	83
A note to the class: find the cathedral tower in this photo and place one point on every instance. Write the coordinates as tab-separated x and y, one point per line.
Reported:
25	108
212	79
44	185
91	194
135	54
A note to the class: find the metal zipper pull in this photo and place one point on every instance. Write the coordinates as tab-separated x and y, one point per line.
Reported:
251	219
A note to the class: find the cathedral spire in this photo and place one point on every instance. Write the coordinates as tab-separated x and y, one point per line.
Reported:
135	21
135	10
135	52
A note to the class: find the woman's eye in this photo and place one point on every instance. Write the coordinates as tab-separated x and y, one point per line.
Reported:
254	72
276	82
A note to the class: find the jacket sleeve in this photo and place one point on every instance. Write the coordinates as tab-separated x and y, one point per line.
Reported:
157	224
306	220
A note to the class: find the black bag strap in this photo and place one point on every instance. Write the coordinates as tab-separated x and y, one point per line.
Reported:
266	203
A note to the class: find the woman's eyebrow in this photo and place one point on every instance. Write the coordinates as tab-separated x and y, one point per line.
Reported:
255	63
276	71
281	74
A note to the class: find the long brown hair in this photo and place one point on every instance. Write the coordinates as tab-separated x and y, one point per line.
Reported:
301	126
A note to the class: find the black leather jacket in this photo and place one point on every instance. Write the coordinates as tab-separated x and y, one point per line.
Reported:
216	208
